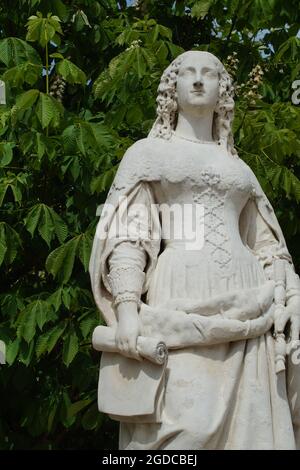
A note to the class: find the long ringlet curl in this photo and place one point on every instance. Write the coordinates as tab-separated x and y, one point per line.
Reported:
167	113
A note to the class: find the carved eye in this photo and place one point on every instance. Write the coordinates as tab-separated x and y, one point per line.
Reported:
187	72
211	73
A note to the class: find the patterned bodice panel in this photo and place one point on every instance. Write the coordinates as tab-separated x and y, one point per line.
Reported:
222	190
212	194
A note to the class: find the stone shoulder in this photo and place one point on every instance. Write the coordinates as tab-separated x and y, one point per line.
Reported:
144	150
142	161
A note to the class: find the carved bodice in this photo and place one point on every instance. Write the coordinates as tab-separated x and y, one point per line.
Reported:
210	178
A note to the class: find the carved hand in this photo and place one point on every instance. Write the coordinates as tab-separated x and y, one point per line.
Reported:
291	312
128	329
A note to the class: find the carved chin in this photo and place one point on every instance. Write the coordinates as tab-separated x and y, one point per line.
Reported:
201	100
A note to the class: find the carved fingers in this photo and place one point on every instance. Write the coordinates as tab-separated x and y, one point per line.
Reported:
294	309
289	314
127	333
282	315
295	327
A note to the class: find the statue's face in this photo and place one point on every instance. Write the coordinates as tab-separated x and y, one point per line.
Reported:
197	84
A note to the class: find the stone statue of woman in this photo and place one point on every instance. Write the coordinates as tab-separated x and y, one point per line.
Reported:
221	303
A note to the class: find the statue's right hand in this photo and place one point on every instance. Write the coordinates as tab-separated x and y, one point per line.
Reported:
128	330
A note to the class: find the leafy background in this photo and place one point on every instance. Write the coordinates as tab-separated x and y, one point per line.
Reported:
81	79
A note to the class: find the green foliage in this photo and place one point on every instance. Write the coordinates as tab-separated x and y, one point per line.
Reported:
48	223
201	8
48	111
24	73
16	51
81	80
60	262
70	72
10	243
43	30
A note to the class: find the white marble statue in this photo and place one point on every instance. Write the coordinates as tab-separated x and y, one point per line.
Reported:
196	353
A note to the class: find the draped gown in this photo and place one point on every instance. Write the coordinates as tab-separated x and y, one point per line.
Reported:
221	396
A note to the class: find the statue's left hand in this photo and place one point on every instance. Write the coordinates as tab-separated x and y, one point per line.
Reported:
291	314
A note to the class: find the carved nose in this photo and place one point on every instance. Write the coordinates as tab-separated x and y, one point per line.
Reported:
198	83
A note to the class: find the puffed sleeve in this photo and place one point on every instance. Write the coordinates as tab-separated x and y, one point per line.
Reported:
258	236
125	275
261	232
128	217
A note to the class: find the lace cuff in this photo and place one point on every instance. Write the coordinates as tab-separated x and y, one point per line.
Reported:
126	284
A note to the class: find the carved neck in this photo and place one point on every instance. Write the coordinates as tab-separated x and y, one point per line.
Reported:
195	127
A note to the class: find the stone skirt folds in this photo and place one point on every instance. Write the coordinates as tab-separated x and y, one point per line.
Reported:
222	396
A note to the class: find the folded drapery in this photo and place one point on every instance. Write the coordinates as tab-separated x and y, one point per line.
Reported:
178	329
232	317
172	327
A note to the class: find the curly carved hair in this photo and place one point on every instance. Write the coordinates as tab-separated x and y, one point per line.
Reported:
166	100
